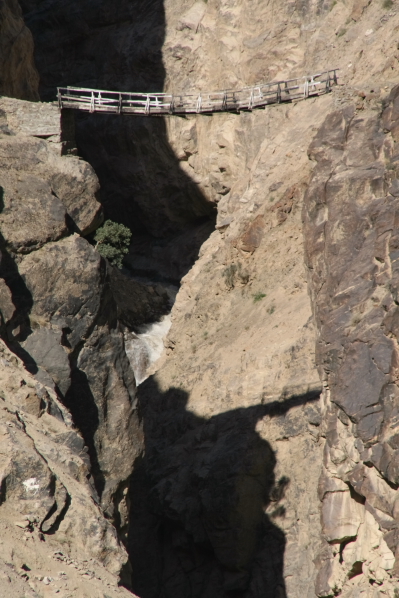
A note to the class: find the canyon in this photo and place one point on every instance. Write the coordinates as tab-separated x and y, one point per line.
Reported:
219	418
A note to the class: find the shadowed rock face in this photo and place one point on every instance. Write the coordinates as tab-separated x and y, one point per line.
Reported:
351	251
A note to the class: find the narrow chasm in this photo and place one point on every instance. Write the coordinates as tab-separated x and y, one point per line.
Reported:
143	187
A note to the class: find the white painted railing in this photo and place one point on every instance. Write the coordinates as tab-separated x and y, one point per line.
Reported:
153	104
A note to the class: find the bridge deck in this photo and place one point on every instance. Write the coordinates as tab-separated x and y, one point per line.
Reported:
156	104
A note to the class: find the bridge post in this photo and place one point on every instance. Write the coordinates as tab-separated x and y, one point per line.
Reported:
199	104
92	102
120	104
171	105
59	99
147	105
251	100
278	94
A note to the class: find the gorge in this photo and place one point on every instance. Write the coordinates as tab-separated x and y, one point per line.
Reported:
256	456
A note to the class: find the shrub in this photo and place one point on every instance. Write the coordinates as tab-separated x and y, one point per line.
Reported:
113	242
387	4
229	274
258	297
233	272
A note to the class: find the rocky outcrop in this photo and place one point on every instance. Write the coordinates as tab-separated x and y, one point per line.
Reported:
351	244
54	536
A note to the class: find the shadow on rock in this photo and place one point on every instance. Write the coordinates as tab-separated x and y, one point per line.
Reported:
198	500
16	303
80	401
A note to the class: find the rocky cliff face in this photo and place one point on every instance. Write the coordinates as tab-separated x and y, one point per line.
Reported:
54	537
59	316
268	469
351	244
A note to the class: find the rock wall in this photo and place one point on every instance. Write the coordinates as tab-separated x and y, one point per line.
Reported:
54	283
351	244
231	417
54	536
62	307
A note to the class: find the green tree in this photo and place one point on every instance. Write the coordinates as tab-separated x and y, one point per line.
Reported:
113	242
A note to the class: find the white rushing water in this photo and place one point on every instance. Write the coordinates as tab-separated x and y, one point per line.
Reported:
146	346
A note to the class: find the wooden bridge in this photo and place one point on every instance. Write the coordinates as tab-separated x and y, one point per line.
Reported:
157	104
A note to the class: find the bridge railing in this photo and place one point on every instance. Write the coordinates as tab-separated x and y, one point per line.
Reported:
94	100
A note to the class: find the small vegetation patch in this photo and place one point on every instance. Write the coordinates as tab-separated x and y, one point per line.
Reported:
341	32
235	273
229	274
387	4
258	297
113	242
271	310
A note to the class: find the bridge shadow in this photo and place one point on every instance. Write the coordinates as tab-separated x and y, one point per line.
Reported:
118	46
199	492
15	297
